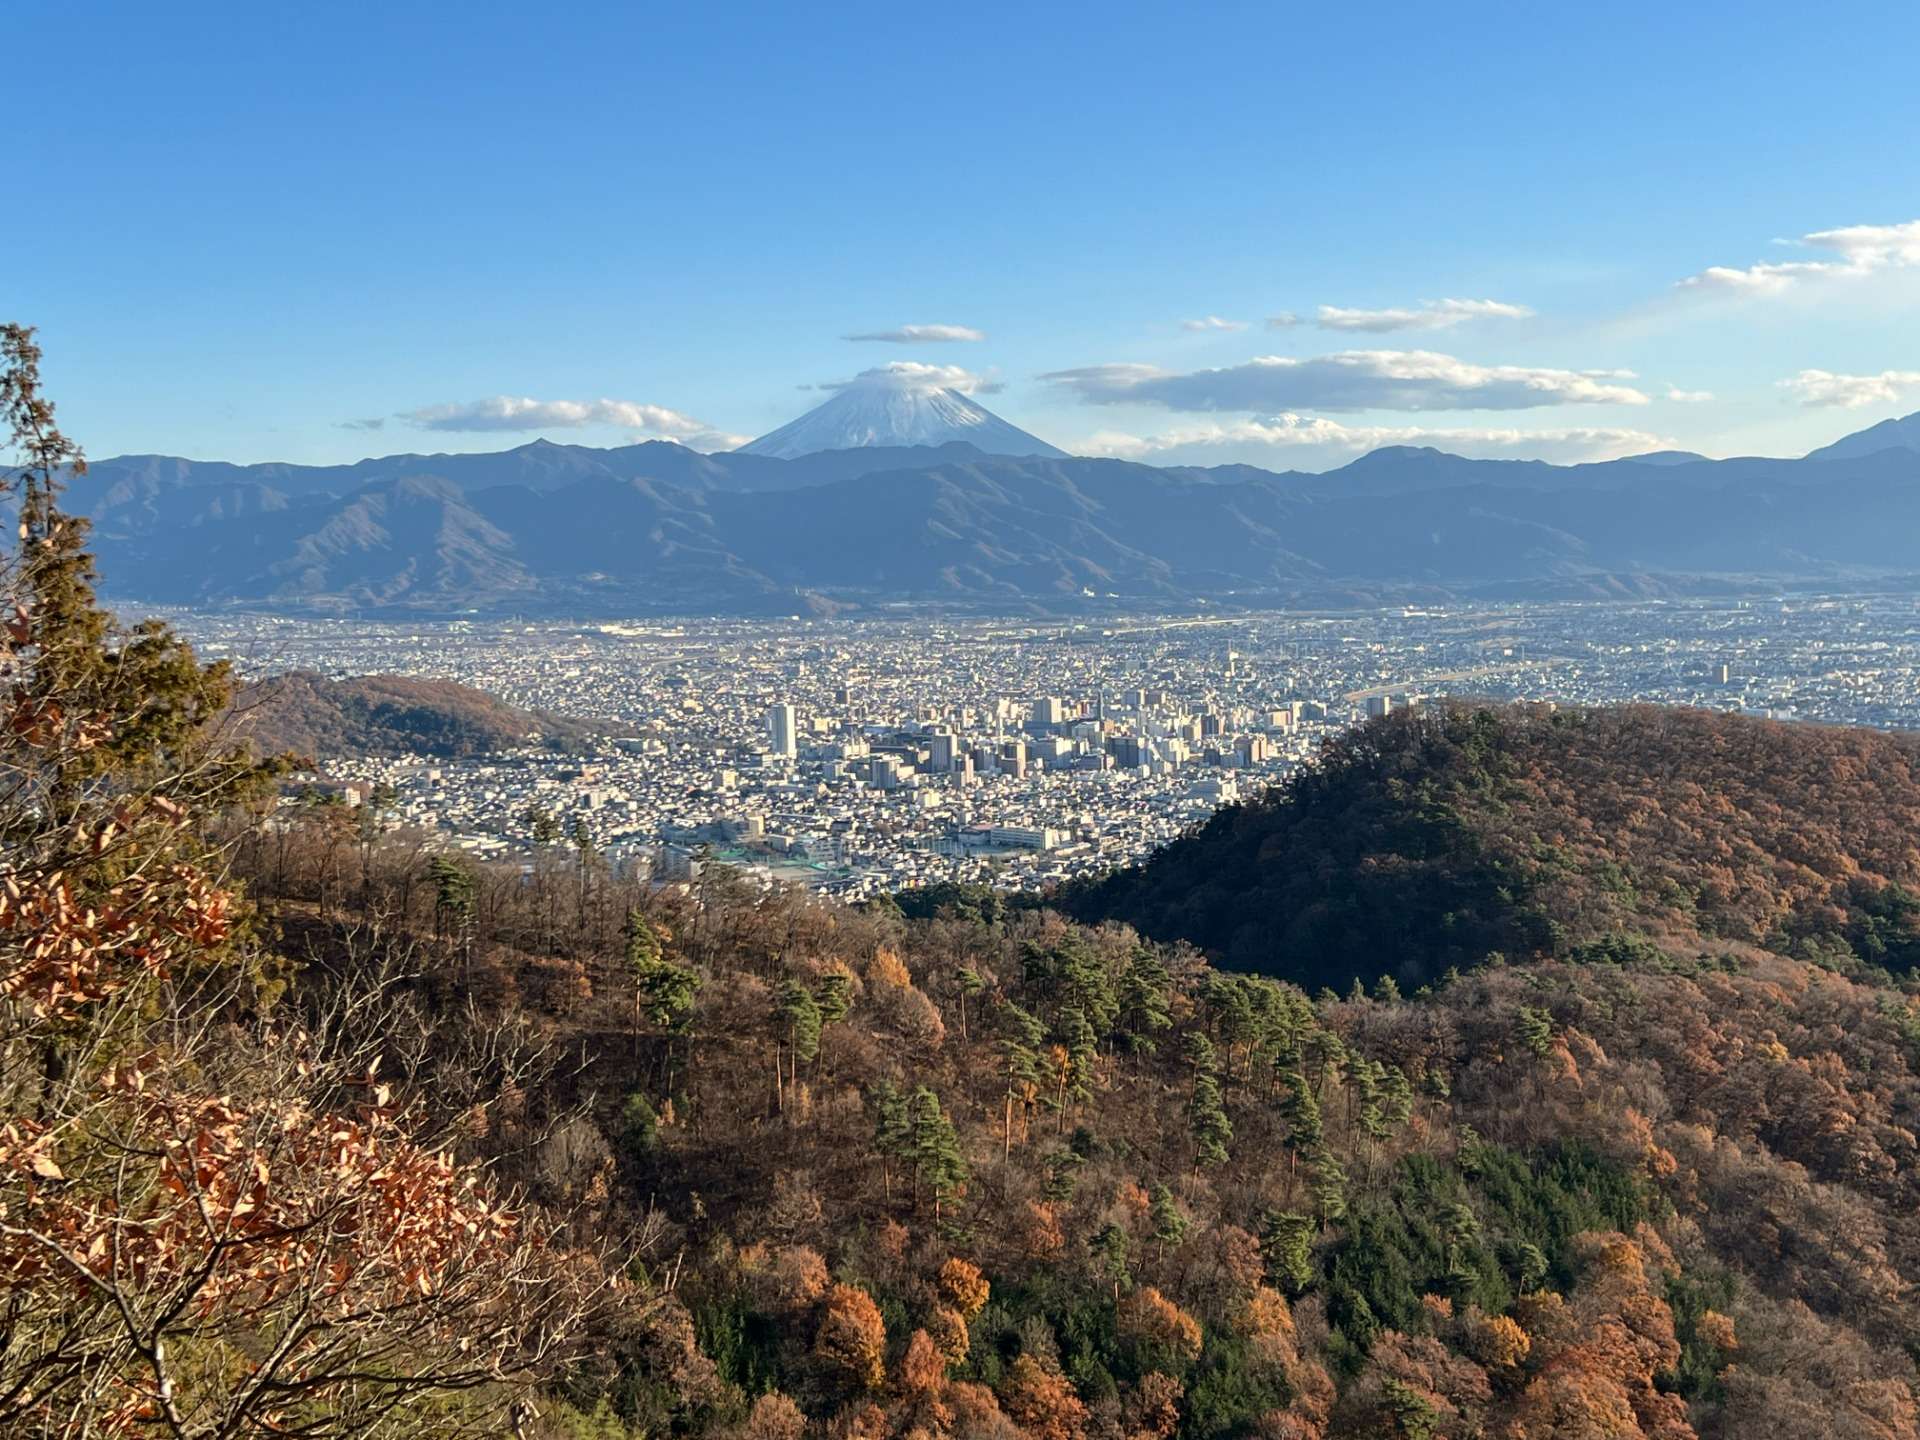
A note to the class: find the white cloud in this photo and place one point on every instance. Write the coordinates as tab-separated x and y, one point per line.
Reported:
1822	388
920	334
1213	322
916	375
1688	397
510	413
1871	245
1859	250
1346	381
1757	279
1334	442
1429	315
1285	320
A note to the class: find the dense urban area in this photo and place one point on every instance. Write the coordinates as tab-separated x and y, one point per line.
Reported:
865	756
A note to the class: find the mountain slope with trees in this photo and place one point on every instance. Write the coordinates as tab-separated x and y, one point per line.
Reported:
304	713
962	1167
1430	839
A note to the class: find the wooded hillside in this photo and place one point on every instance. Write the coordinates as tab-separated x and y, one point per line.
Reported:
1430	839
989	1172
307	714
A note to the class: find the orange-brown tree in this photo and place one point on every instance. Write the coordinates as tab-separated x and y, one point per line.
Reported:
216	1216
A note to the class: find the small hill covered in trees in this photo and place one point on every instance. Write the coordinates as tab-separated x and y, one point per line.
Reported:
309	715
1430	840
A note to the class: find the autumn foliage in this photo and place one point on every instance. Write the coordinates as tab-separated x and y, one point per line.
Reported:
1428	839
216	1218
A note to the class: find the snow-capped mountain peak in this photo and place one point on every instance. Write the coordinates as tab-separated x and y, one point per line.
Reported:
898	405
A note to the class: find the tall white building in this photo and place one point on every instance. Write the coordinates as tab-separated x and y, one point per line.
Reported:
781	731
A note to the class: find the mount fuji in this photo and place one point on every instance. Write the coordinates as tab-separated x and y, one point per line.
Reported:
898	406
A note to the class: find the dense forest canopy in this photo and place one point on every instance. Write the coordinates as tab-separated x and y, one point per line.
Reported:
306	1129
967	1167
1430	839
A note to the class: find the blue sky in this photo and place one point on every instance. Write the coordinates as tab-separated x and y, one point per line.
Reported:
359	229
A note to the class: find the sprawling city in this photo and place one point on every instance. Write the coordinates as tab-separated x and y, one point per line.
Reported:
864	757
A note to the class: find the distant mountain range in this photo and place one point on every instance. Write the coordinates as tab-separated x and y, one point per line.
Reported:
1901	434
657	528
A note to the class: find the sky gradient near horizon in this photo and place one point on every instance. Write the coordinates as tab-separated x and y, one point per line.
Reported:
1200	234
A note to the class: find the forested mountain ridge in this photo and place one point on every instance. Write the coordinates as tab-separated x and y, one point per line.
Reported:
961	1167
1427	840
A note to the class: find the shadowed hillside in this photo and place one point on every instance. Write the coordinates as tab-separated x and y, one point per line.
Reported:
314	717
1433	839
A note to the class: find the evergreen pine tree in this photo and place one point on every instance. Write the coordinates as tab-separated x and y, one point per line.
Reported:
1286	1243
834	997
1145	1012
1168	1219
892	1128
1110	1258
1301	1111
73	666
1534	1030
935	1150
1020	1041
1207	1117
541	825
1396	1098
1328	1180
1083	1056
1200	1052
969	982
453	891
801	1012
1060	1175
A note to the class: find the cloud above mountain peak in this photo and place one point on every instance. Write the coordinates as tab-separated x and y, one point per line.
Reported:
1824	389
1314	439
917	375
